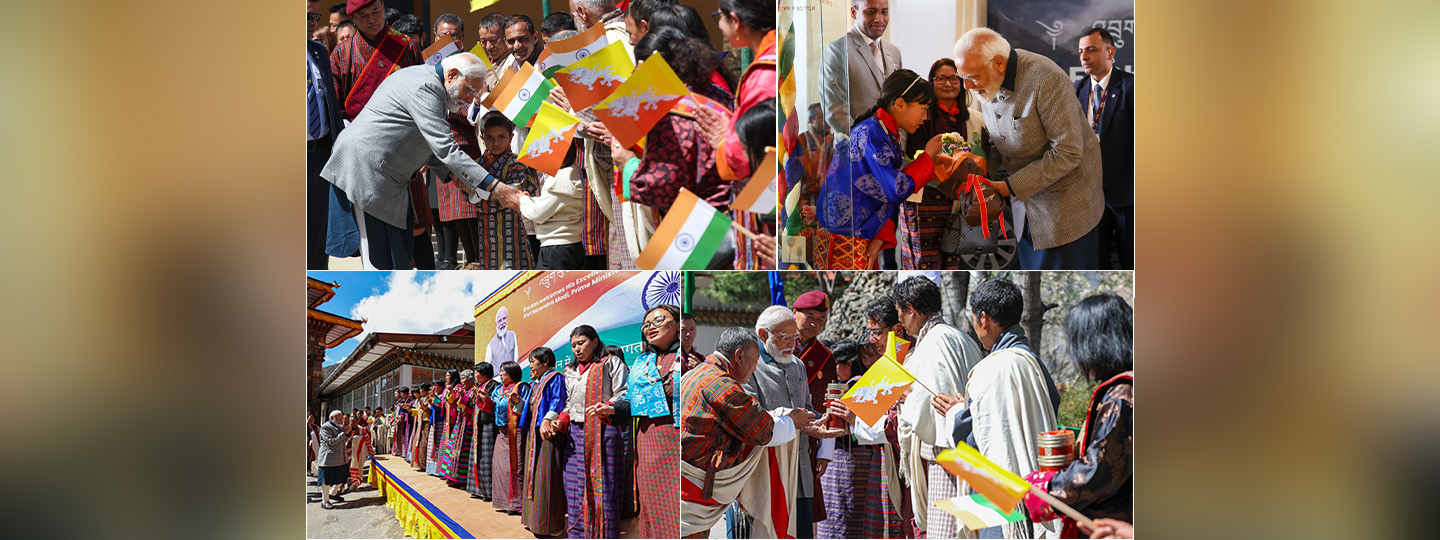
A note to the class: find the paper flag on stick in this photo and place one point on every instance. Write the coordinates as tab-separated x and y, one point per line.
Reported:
688	236
477	5
479	50
439	50
999	486
652	90
759	193
880	387
500	85
549	139
591	80
523	96
976	512
561	53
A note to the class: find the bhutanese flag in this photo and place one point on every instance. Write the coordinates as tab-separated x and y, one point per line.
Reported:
759	193
640	102
592	79
439	50
477	5
479	50
882	385
687	238
976	512
549	139
523	96
559	54
1001	487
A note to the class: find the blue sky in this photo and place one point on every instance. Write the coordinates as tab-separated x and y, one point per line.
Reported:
405	301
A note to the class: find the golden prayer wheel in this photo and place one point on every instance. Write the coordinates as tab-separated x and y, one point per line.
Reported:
1056	449
833	392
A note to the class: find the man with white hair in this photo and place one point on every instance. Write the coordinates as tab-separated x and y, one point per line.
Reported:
334	462
1046	144
402	128
779	383
502	346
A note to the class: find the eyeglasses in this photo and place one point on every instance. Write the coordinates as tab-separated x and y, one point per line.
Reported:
716	15
312	16
947	80
786	337
657	322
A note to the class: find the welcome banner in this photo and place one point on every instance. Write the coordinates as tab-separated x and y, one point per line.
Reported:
541	308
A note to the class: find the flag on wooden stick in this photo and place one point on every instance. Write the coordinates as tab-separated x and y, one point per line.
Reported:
688	236
591	80
881	385
652	90
549	139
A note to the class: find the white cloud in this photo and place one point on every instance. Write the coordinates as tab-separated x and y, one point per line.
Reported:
426	302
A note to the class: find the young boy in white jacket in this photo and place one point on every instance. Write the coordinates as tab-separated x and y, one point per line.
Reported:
558	213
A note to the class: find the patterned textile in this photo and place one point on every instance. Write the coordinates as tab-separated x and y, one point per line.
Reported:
846	484
503	245
651	386
596	230
453	202
1100	482
884	517
543	504
505	474
942	486
720	418
745	256
482	454
577	473
867	181
757	84
838	252
360	451
677	156
455	460
917	231
348	60
657	474
434	445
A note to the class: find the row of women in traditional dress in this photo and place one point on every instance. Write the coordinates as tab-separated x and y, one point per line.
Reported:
867	491
872	196
571	451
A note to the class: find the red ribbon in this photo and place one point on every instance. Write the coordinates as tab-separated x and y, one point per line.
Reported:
972	184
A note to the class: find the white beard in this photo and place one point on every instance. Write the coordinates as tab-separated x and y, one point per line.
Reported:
989	93
784	357
452	98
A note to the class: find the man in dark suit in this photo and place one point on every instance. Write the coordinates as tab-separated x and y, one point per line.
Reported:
322	126
1108	98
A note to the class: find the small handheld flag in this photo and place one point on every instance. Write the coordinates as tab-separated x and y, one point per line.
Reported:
549	139
759	193
592	79
881	386
561	53
652	90
999	486
477	5
523	96
688	236
976	512
439	50
479	50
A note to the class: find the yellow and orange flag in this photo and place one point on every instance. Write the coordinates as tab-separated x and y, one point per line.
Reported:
635	107
882	385
549	139
594	78
1001	487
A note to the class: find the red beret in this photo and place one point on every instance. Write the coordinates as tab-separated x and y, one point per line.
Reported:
813	300
356	5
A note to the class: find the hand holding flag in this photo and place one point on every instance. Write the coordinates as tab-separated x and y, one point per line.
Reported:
549	139
1000	487
882	385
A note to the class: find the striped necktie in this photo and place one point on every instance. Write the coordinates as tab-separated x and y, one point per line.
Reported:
314	114
1097	95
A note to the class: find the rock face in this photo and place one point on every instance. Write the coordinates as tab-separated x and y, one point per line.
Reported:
847	313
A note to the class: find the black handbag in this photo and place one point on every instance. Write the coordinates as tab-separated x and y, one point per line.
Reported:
961	238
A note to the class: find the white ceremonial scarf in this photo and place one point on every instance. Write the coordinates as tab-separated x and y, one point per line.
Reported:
748	482
1010	405
941	358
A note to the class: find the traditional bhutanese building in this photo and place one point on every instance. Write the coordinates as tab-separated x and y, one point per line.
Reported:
386	361
323	331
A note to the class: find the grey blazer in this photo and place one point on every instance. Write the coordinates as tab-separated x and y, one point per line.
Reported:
1045	142
403	127
332	445
778	385
848	59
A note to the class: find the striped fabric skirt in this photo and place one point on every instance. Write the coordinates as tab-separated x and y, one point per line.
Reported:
577	472
482	453
543	505
503	243
505	473
917	231
886	517
455	459
434	447
417	447
625	482
846	484
839	252
657	475
942	486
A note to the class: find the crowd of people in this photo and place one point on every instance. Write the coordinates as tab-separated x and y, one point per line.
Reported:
904	171
397	148
762	395
571	451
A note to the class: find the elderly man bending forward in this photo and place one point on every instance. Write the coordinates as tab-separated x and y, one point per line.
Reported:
402	128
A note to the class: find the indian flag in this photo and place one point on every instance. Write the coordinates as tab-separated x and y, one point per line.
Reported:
687	238
522	97
559	54
439	50
759	193
976	512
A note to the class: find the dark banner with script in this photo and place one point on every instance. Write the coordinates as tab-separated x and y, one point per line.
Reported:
1053	28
